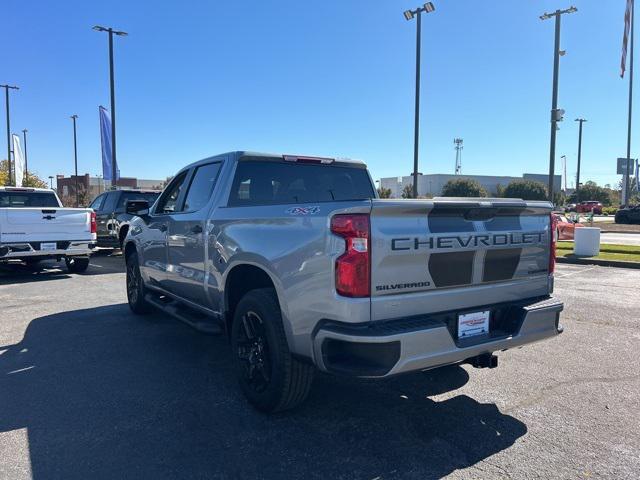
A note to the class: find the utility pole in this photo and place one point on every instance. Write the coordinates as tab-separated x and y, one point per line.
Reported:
408	15
581	120
75	156
114	163
26	161
458	146
556	114
627	183
6	97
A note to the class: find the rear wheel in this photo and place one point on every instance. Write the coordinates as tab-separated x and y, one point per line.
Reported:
136	290
77	264
270	377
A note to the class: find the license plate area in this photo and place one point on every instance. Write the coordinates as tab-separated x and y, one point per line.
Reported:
473	324
48	246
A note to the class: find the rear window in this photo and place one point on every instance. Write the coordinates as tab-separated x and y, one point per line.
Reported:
126	196
269	183
28	199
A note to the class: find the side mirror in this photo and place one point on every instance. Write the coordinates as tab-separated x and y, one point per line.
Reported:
138	208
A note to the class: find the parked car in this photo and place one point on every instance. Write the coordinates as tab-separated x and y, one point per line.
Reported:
628	215
565	228
589	206
113	220
570	207
34	226
304	268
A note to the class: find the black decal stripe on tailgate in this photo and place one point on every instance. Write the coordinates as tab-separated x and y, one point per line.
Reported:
505	220
447	220
451	268
501	264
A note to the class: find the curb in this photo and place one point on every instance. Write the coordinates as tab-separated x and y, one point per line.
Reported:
595	261
619	231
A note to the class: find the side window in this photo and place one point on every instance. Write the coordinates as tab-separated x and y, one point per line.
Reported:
201	187
110	202
168	202
97	203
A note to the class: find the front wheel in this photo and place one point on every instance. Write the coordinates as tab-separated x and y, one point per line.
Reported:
77	264
136	290
270	377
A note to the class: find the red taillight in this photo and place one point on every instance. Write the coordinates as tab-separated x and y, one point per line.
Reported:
553	225
353	266
94	224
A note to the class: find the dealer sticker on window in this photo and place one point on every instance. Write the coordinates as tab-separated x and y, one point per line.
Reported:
470	324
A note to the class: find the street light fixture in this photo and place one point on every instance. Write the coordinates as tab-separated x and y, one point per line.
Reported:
6	97
408	15
75	156
112	32
556	114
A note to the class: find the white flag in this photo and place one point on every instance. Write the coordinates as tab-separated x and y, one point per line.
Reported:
18	160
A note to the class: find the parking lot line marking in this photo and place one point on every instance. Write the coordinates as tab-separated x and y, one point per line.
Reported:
576	271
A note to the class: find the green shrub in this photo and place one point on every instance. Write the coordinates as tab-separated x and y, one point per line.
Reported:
526	190
463	187
609	210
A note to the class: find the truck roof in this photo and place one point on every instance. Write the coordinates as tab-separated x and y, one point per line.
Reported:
25	189
236	155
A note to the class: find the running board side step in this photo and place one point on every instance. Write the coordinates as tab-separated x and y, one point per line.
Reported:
197	321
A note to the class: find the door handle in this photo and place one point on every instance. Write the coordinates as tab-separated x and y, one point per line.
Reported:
196	229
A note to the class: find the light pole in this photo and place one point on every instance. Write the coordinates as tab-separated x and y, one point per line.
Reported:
51	181
6	97
26	162
112	32
564	170
75	157
408	15
556	114
581	120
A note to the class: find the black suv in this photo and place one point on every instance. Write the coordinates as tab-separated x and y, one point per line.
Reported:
111	216
628	215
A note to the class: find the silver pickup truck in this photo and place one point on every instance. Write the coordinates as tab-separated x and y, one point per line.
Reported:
303	267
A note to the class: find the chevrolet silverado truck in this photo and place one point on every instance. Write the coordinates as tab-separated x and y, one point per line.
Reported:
34	226
304	268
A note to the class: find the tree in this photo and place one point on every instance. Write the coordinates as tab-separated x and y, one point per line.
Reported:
31	181
526	190
384	192
407	191
591	191
463	187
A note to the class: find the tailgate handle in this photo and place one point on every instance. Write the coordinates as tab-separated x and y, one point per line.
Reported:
480	214
48	211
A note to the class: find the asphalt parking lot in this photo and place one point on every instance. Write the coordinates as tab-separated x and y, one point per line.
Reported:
87	390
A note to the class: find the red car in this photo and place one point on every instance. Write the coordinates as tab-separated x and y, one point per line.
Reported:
565	228
588	206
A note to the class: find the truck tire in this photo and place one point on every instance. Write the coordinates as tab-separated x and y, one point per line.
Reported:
270	377
136	290
77	264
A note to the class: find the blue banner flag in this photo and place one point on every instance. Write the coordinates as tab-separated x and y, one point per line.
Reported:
105	137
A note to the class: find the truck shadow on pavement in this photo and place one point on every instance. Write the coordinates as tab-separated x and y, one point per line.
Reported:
47	270
105	394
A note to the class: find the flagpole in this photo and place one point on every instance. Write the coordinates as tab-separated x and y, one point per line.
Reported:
626	178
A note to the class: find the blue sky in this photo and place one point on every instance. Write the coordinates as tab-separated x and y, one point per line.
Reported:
326	77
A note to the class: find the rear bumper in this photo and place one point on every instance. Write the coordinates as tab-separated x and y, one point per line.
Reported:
419	343
9	251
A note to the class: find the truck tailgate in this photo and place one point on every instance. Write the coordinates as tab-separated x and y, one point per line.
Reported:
44	224
451	254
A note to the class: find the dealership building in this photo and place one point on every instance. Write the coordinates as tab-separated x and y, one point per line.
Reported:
431	185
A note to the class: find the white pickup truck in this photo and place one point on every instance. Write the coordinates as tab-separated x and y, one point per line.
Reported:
34	226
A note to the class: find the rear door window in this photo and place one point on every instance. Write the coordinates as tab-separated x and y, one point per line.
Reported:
201	187
150	197
28	200
269	183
